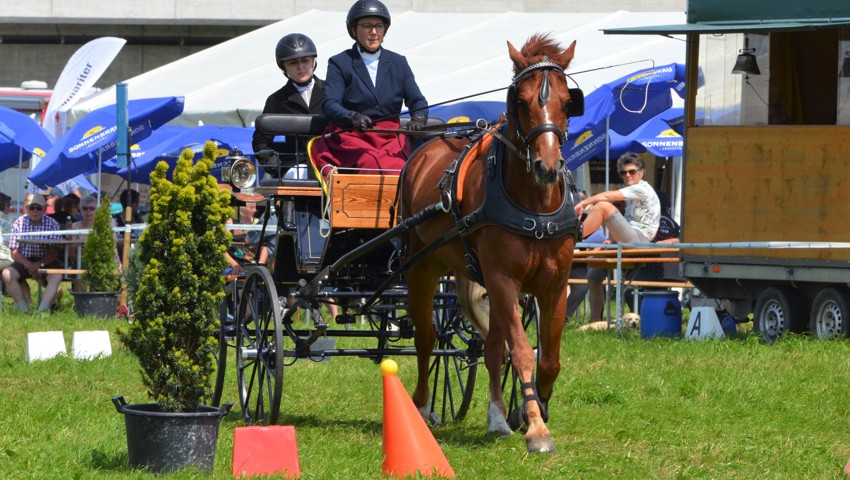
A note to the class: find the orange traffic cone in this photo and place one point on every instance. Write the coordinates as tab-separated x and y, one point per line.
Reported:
409	446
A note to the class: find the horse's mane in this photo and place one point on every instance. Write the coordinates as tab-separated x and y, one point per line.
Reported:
538	45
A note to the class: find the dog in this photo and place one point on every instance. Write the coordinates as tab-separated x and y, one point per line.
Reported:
630	320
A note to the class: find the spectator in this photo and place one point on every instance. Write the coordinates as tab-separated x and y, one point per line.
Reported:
243	249
68	211
68	186
668	232
638	225
5	213
295	55
88	207
668	229
354	101
129	198
29	258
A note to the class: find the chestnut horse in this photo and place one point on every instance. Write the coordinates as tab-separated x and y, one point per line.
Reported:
524	244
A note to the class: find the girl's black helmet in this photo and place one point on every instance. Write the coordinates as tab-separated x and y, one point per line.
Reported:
293	46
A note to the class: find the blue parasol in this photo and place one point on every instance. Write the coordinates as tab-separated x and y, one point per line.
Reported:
618	108
94	138
20	133
225	138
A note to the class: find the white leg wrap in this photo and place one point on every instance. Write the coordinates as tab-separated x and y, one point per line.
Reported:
496	422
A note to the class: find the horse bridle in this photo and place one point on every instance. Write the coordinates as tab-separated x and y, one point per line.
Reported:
542	99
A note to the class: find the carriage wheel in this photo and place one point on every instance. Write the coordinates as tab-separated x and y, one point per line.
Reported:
510	379
226	333
259	349
453	375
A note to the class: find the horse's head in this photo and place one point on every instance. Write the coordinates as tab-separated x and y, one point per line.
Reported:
537	104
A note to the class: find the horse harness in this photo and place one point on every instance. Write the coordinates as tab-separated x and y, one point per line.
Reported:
498	209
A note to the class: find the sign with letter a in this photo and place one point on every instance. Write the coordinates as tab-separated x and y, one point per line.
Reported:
703	323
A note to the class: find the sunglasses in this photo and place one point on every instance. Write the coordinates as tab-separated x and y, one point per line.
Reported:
89	209
35	207
632	171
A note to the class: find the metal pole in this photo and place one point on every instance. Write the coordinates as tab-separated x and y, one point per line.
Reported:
123	153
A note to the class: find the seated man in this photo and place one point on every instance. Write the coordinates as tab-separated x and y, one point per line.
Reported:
638	225
29	258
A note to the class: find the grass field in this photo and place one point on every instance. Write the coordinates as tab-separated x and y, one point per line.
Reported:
623	408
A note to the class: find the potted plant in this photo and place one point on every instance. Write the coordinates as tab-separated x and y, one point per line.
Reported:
176	316
101	276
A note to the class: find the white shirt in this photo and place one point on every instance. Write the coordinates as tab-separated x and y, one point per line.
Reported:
371	60
643	209
306	91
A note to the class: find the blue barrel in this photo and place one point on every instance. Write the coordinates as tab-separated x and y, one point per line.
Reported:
660	314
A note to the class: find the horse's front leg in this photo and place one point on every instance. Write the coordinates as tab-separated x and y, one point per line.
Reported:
537	438
553	307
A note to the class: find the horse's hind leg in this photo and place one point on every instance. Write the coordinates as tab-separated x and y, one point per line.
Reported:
421	282
474	304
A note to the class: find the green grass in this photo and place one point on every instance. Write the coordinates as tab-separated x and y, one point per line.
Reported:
624	408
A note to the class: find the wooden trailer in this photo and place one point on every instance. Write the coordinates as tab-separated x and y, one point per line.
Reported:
767	142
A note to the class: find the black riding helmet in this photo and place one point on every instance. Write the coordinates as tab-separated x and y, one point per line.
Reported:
366	8
294	46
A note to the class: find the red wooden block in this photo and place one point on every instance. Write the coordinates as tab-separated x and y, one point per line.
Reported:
265	451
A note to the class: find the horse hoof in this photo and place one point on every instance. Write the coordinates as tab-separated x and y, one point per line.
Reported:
434	419
540	445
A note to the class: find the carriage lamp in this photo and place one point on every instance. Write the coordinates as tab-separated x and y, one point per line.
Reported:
746	63
242	173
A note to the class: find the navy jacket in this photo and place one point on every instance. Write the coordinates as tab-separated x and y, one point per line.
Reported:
348	87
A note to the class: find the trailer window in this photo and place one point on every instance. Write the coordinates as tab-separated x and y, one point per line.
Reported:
796	83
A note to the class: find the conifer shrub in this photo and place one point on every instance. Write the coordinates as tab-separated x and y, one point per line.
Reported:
98	259
176	303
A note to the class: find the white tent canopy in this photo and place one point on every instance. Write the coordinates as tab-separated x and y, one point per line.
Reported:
452	55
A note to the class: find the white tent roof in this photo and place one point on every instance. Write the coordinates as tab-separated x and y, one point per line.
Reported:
451	54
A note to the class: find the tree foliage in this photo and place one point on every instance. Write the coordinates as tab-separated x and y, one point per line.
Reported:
101	271
176	305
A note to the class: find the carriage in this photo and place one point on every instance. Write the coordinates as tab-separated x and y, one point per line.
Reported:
346	241
332	248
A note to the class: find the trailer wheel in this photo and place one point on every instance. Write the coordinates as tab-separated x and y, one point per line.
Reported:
778	310
830	317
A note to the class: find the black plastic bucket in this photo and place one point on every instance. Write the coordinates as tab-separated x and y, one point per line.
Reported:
96	304
164	441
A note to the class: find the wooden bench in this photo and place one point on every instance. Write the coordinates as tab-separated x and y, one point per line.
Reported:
629	259
61	271
68	274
